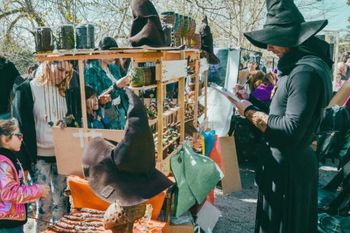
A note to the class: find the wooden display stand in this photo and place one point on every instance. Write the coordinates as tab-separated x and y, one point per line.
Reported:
171	67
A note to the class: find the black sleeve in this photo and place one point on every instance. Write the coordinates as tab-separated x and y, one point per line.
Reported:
264	107
304	90
22	110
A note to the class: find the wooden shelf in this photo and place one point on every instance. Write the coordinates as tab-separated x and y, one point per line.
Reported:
144	88
175	80
171	111
152	122
188	120
170	143
170	67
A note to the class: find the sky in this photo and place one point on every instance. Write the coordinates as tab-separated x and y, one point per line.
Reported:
336	11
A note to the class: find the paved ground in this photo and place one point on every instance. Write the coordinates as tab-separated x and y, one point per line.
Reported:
238	209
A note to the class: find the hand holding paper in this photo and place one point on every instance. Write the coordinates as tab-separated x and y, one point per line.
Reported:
230	95
241	104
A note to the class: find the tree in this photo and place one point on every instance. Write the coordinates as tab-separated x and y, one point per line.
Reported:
16	11
20	55
228	19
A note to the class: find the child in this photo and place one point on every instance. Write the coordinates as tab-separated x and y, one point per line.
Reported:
95	118
261	86
14	193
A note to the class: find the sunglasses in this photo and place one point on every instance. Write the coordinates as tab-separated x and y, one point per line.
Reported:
18	135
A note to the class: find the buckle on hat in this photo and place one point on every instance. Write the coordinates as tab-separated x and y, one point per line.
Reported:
107	191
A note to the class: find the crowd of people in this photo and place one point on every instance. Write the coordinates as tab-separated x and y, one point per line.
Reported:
341	80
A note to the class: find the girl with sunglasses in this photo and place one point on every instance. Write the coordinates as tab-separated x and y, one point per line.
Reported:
14	192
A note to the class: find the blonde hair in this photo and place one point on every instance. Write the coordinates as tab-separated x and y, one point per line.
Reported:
255	79
44	75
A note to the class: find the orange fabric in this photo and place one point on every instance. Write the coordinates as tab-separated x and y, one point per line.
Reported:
215	154
157	203
82	196
211	197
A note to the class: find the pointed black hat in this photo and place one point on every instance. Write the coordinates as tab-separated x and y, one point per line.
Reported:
146	28
285	26
125	172
207	44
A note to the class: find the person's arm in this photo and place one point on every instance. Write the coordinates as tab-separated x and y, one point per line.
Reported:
11	190
257	118
264	107
342	95
304	91
22	110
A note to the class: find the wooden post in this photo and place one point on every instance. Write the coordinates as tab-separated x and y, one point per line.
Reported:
82	95
205	94
160	102
196	90
181	102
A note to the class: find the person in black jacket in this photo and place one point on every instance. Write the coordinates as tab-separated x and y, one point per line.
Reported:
287	176
38	105
8	76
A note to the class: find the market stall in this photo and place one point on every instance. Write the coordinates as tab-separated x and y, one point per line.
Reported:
171	66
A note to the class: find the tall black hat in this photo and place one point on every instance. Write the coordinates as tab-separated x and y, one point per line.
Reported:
125	172
207	44
285	26
146	28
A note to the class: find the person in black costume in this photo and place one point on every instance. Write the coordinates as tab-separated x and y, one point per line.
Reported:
287	175
9	77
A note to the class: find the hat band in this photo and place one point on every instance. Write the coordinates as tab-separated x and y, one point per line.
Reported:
283	25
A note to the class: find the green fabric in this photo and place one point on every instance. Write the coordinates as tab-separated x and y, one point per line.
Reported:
184	198
195	175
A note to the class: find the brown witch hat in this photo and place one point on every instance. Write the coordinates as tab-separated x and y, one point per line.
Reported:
125	172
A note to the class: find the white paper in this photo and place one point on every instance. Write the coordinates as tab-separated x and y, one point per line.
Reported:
207	217
225	92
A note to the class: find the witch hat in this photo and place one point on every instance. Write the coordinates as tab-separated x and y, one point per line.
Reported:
125	172
285	26
146	28
207	42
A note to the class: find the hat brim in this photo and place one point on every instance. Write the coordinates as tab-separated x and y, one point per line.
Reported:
285	36
129	189
211	57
